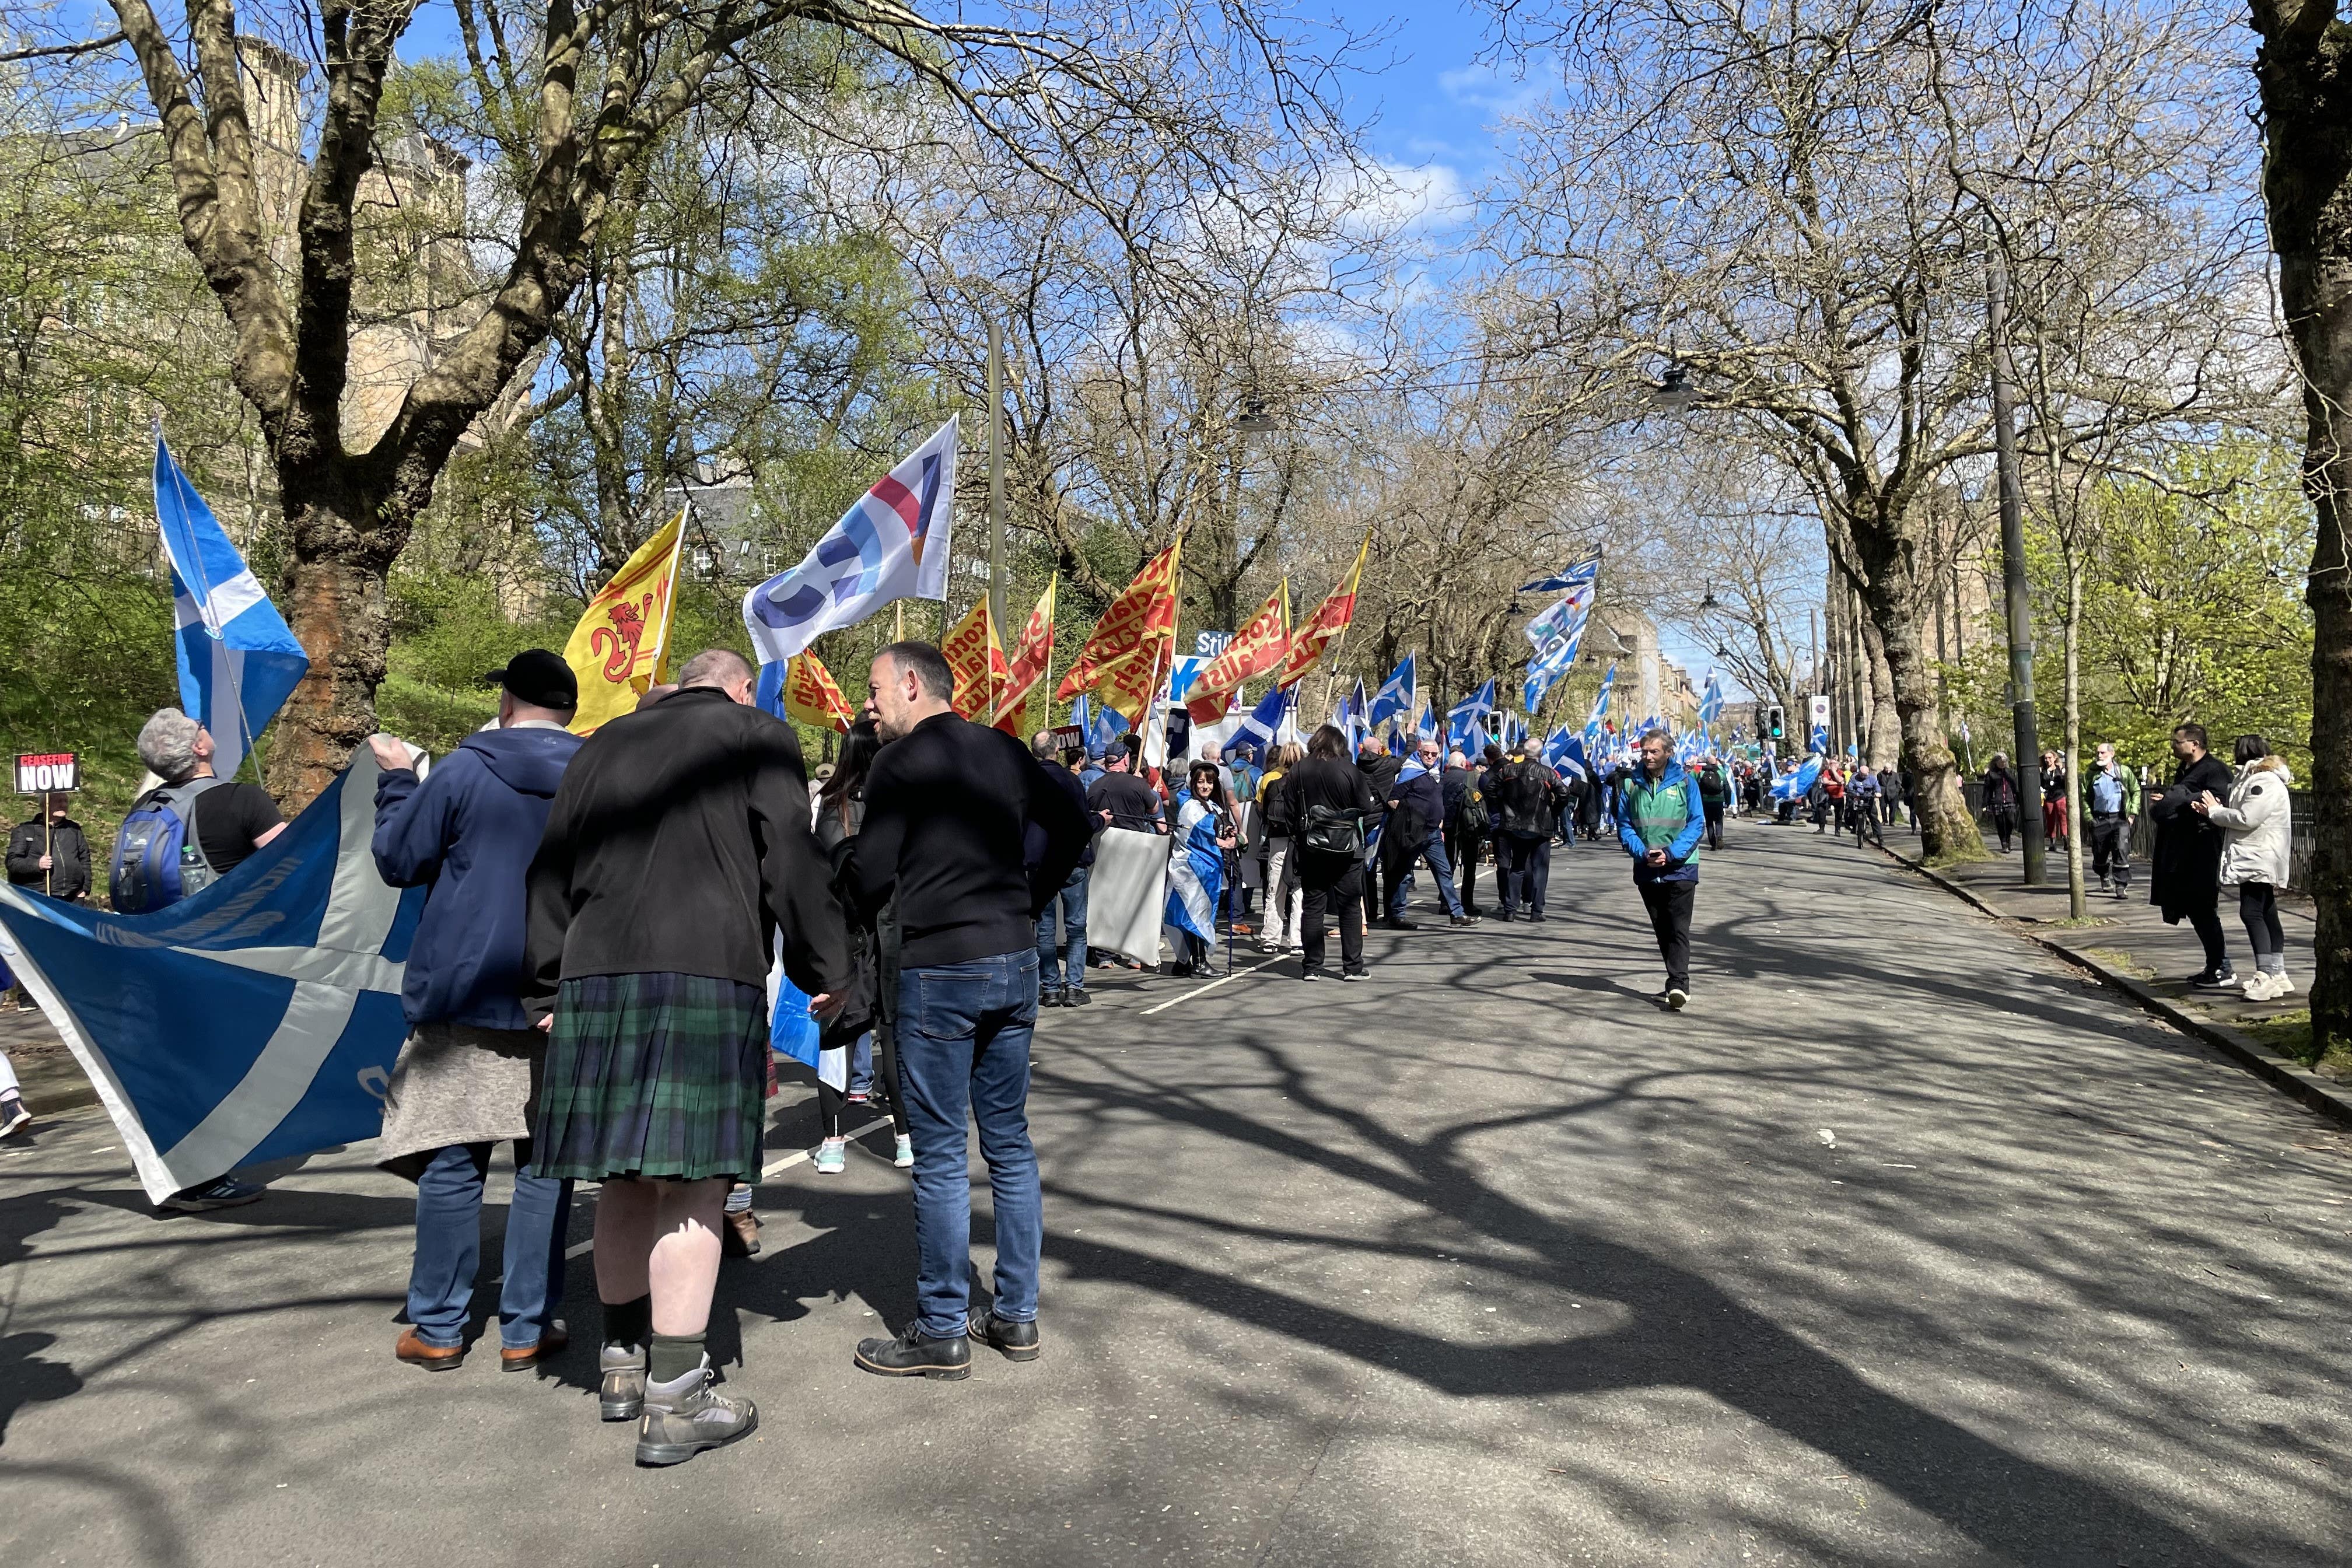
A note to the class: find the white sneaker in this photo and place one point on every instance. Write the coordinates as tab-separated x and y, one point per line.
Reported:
2259	987
2282	985
902	1152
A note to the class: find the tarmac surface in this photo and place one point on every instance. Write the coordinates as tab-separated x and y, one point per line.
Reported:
1904	1245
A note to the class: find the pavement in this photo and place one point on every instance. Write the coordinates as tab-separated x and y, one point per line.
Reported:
1906	1244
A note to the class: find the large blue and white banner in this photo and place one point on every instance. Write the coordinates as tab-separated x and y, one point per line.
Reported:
893	544
254	1020
1196	874
1563	635
1582	574
239	662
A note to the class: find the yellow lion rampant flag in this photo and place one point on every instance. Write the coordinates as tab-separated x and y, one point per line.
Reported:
810	697
621	645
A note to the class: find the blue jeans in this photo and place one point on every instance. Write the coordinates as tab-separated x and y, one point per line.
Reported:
449	1247
1441	866
963	1041
861	1064
1071	932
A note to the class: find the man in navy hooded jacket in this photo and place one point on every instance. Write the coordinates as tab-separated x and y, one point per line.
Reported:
467	1077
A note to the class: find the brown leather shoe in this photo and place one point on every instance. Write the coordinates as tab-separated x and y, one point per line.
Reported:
742	1236
432	1358
551	1343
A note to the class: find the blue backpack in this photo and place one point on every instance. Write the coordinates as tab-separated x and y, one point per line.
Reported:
158	860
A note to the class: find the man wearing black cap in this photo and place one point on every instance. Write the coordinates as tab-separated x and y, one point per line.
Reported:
467	1075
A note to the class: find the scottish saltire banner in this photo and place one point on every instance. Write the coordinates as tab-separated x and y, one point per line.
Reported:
1710	701
1582	573
622	639
1397	693
1264	725
1196	873
893	544
254	1020
1463	718
1426	727
239	662
1601	704
1798	785
1105	726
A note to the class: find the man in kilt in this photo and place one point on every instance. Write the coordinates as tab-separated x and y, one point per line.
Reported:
677	851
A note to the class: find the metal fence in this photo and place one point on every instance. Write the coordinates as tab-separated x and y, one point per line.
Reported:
2143	839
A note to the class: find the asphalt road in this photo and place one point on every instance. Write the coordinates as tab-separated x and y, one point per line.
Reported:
1902	1246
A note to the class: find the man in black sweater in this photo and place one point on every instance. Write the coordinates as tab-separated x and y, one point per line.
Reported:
967	831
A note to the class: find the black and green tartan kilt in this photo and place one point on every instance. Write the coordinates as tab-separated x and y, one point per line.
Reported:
653	1075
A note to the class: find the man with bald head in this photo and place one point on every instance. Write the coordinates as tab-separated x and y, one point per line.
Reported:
677	852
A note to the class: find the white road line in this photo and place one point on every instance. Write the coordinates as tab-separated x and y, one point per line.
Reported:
582	1248
1211	985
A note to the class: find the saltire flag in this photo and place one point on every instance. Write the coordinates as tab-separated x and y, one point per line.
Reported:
1395	741
1264	726
1033	653
1514	731
1262	644
620	642
803	688
976	660
1133	627
1580	575
1601	701
1710	701
1106	727
1329	619
1800	783
1196	873
1350	717
892	544
1463	717
1564	752
1426	727
1478	739
1397	693
239	662
255	1019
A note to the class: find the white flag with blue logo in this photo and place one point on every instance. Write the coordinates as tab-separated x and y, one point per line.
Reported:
254	1020
239	662
893	544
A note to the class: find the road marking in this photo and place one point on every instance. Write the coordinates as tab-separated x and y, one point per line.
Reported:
582	1248
1211	985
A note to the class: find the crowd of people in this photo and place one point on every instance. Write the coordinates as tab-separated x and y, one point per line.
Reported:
605	918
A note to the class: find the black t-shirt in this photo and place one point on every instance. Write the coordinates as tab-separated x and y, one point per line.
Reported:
1132	804
229	818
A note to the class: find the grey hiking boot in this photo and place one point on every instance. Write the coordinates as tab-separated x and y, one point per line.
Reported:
684	1417
621	1395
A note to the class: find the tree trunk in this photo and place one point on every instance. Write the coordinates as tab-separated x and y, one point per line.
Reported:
1889	594
340	616
2070	760
2305	71
1886	744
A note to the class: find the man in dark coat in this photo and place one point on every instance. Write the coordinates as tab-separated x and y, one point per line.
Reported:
464	1081
2185	868
1380	771
50	853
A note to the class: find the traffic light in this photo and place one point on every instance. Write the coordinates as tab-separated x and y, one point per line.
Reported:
1773	722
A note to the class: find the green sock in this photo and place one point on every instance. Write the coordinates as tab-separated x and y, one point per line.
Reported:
674	1355
629	1323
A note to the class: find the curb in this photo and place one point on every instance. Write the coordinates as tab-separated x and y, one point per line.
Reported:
2330	1099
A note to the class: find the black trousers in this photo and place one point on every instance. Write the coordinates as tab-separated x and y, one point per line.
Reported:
1466	849
1714	824
2004	822
1866	820
2205	919
2111	849
1324	880
2258	908
1529	875
1670	905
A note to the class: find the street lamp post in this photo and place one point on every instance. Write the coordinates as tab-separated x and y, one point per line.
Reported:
2027	763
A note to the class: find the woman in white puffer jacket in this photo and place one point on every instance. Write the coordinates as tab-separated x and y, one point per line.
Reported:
2255	821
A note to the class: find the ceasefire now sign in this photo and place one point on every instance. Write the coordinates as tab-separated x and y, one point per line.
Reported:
43	772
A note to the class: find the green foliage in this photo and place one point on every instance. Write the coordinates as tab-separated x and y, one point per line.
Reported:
2192	607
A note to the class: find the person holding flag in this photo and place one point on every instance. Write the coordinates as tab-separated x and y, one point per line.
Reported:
1196	872
1417	822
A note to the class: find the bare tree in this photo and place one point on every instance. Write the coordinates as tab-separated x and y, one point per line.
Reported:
595	88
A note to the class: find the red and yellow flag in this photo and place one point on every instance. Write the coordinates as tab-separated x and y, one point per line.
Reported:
1143	615
1262	644
976	660
1133	686
622	642
1331	619
810	697
1031	655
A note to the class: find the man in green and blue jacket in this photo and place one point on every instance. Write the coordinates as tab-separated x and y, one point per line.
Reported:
1659	823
